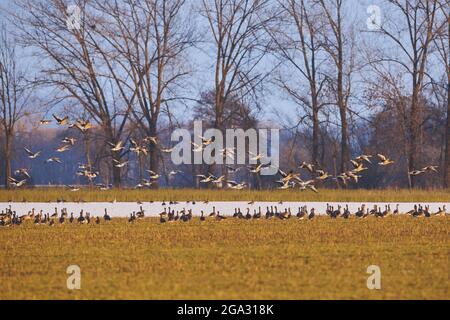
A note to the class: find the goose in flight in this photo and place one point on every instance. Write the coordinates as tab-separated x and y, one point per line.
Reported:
61	121
227	152
45	121
256	157
63	148
218	180
23	171
358	166
206	141
153	175
53	159
175	172
416	172
68	140
257	169
430	168
236	186
119	164
32	155
205	179
287	176
234	170
307	166
167	150
73	188
285	185
363	157
138	150
116	147
384	161
16	183
197	147
353	176
150	139
322	175
82	125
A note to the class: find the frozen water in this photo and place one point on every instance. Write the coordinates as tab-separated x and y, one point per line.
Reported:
122	209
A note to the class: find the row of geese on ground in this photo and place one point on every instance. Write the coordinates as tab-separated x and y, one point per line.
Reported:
302	213
10	217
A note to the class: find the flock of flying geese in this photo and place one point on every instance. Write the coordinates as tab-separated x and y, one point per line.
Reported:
288	180
10	217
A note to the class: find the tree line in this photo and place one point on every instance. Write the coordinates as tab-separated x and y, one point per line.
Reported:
352	82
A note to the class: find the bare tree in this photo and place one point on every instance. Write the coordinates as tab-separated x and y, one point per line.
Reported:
77	63
14	96
412	30
338	41
296	40
150	39
237	28
442	41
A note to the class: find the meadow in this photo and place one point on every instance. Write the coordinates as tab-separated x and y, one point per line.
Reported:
131	195
231	259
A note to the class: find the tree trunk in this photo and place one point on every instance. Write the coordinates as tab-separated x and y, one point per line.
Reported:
345	157
315	136
8	147
154	156
115	170
447	142
413	130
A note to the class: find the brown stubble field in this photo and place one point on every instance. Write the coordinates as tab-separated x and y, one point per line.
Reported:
231	259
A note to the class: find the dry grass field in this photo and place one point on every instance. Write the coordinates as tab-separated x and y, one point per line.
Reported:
95	195
232	259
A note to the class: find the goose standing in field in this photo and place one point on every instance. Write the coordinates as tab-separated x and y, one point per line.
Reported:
329	210
302	212
346	213
285	215
359	213
257	215
162	217
440	212
248	216
106	217
71	218
397	210
81	218
312	214
426	212
213	213
132	217
202	217
220	217
366	214
268	215
97	220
